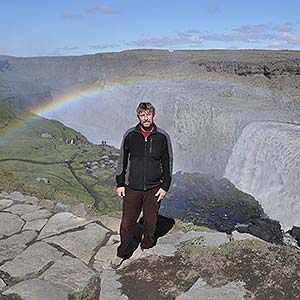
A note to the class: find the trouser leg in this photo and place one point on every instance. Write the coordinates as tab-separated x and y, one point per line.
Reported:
132	204
150	209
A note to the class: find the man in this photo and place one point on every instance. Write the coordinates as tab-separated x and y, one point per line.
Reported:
143	178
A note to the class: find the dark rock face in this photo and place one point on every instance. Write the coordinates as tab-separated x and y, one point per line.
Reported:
217	204
266	229
268	69
295	233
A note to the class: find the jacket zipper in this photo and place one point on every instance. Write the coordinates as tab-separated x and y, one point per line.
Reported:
145	164
150	150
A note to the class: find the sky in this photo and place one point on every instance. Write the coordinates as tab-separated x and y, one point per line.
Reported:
77	27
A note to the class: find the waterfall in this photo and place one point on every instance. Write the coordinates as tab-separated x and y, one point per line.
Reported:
265	162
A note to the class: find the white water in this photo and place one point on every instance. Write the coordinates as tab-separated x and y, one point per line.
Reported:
265	163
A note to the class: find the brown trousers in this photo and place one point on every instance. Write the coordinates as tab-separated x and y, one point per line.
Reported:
133	203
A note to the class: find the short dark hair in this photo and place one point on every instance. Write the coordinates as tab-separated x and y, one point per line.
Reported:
145	106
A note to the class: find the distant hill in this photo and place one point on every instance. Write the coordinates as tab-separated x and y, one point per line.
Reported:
19	92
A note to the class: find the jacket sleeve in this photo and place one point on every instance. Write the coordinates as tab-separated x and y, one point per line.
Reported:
122	162
167	164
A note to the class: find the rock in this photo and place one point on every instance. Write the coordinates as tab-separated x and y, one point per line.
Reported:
110	286
171	238
31	261
21	209
69	274
14	245
2	284
201	238
79	210
36	225
38	214
60	223
201	290
237	236
295	233
37	289
17	196
32	200
43	180
81	243
111	223
104	257
5	203
114	239
24	237
266	229
217	204
59	207
4	195
49	204
10	224
160	250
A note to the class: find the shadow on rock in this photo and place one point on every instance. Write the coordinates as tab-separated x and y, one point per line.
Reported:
163	226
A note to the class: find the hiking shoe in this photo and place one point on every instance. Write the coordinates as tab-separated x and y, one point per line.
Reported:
116	262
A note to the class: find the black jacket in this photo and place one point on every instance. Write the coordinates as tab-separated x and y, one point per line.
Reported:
145	164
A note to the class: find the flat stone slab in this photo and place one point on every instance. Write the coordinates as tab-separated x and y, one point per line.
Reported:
111	223
69	274
2	284
10	224
4	203
171	238
38	214
60	223
201	238
24	237
104	256
17	196
14	245
4	195
201	290
237	236
31	261
36	225
21	209
47	203
114	239
81	243
110	286
160	250
37	289
32	200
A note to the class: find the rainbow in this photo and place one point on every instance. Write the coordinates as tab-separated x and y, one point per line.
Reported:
66	99
78	95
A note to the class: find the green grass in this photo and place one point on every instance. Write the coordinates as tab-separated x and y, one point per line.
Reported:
21	139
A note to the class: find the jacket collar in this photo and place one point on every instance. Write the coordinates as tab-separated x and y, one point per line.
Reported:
138	128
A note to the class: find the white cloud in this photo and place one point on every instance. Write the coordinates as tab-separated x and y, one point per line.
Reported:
287	27
104	46
68	48
179	39
103	9
252	29
265	35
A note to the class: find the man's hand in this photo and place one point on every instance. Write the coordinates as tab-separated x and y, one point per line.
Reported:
121	191
160	194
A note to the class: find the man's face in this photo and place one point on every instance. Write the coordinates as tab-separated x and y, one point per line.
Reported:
146	118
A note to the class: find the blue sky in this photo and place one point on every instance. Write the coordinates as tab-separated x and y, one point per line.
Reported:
76	27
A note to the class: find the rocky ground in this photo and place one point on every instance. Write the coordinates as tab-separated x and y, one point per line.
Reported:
52	251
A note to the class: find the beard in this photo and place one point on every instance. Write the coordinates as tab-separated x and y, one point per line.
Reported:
146	128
